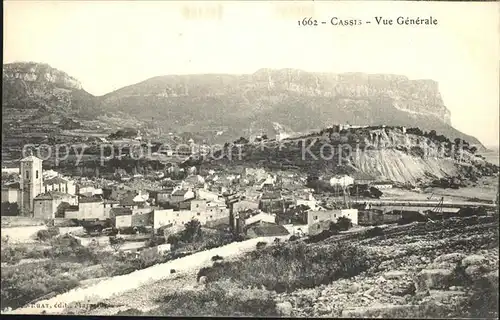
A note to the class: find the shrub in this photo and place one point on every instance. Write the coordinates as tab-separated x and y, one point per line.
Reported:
374	232
325	234
217	258
344	223
291	266
12	255
219	299
43	235
156	241
23	284
53	231
261	245
293	238
173	239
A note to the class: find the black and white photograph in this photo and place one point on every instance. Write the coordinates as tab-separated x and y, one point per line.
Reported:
305	159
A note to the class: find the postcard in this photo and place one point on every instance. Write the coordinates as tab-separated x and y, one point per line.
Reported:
301	159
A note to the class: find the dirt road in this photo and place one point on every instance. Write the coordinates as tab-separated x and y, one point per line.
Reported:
121	284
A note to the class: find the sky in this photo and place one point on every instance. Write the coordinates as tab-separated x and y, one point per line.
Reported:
110	44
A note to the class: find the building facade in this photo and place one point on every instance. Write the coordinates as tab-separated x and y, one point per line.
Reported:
30	183
48	205
317	221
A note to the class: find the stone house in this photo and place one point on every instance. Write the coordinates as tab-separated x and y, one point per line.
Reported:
48	205
317	221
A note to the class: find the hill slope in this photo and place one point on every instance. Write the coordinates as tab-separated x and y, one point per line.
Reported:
32	91
384	153
236	105
293	98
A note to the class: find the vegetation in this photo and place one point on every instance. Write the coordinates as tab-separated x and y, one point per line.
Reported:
344	223
124	133
217	299
10	209
24	283
45	235
289	266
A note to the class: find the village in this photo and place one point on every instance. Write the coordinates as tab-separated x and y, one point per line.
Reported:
259	207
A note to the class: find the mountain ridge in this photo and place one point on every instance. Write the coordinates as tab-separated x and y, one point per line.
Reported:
241	103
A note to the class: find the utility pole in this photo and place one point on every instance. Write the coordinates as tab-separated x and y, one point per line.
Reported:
231	199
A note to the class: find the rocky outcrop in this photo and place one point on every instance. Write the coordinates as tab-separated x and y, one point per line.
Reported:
39	72
421	97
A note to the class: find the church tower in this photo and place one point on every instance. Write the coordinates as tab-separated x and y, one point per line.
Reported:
30	183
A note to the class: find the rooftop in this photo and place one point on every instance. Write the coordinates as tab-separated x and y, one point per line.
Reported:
270	230
11	185
128	199
120	212
271	195
179	192
89	199
55	180
30	159
362	176
52	195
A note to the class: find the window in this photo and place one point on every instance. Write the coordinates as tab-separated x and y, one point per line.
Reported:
197	205
36	174
315	217
198	214
27	174
210	217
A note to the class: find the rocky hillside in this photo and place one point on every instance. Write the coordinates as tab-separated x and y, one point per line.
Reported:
384	153
33	91
225	107
441	269
293	98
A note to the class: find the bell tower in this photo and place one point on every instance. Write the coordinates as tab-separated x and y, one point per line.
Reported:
30	183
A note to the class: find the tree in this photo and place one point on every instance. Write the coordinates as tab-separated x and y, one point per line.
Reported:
344	223
192	230
173	239
116	243
334	228
375	193
10	209
241	140
43	235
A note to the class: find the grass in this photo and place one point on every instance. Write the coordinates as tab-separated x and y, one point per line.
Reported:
248	287
289	266
217	299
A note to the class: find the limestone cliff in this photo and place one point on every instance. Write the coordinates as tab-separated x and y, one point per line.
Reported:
39	72
34	91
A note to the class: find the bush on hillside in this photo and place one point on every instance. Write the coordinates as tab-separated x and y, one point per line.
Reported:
216	300
53	231
217	258
291	266
374	232
344	223
261	244
23	284
43	235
